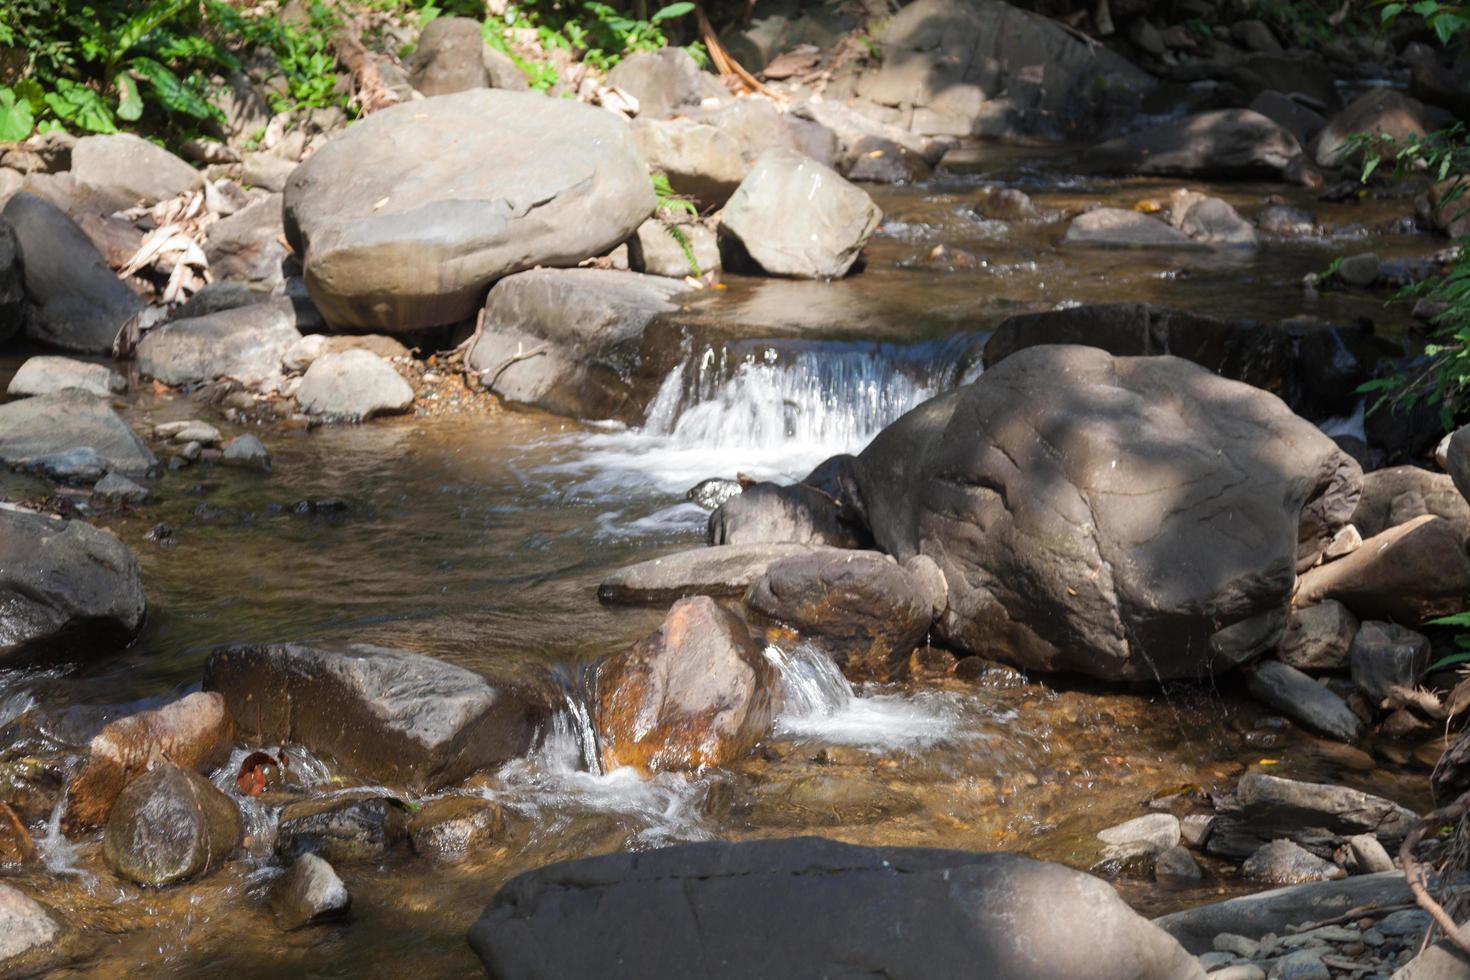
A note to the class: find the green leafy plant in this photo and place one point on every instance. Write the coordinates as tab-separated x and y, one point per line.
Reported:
595	33
1461	655
669	202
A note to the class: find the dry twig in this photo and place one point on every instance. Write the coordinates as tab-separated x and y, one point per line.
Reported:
1414	874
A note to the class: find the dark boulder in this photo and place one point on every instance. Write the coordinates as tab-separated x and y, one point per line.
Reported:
1222	143
384	714
360	825
169	825
1407	574
806	907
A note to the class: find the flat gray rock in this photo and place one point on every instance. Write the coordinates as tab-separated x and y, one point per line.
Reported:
66	420
131	167
1303	700
1119	228
43	375
245	343
725	570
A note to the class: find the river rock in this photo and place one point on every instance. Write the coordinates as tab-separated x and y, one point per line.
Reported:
821	909
1005	204
1300	121
452	827
12	279
1385	656
66	588
569	340
354	386
195	732
29	935
1211	221
1177	866
1273	911
1119	228
76	302
1285	221
309	893
449	57
1407	574
245	343
756	126
389	715
798	218
1143	836
1283	863
44	375
170	824
1224	143
248	245
654	249
664	82
1317	638
361	825
248	453
1370	854
861	606
1398	494
698	692
1379	112
1317	816
131	167
700	161
1303	700
854	131
118	488
767	512
401	227
1067	478
728	570
989	69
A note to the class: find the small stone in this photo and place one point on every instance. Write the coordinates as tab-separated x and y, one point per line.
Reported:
342	828
1359	270
1285	863
116	487
1410	923
1347	540
1371	855
1195	828
1384	656
1374	938
309	893
1302	965
1318	637
454	826
190	451
1240	971
196	431
247	452
1176	864
1215	960
1140	837
1229	942
169	825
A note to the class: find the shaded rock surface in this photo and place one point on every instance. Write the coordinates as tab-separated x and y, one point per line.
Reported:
727	570
1398	494
1385	656
66	588
768	512
698	692
246	245
360	825
1318	638
401	227
1406	574
390	715
700	161
821	909
453	827
1222	143
1303	700
170	824
1317	816
67	420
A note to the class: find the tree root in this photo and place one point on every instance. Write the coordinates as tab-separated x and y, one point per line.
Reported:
1414	874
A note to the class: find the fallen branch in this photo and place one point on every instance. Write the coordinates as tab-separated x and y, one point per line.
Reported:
1414	874
513	359
725	64
371	94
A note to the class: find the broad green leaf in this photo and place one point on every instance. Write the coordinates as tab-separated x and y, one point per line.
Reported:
1458	619
129	102
16	120
1451	660
171	91
671	11
81	107
141	24
1390	11
31	90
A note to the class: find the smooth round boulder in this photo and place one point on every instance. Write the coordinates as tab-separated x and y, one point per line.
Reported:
169	825
405	219
353	385
1130	518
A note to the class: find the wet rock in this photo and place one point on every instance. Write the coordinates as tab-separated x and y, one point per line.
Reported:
700	161
697	692
195	732
876	160
66	588
1224	143
75	301
1317	637
248	453
1143	836
1283	863
81	466
1211	221
1318	816
1398	494
355	385
1301	121
861	606
1385	656
1302	699
131	167
1125	229
401	228
713	492
570	340
1379	112
1359	270
245	343
1177	866
822	909
766	513
247	245
968	69
45	375
1005	204
30	935
795	217
343	827
1370	854
118	488
654	249
728	570
663	81
1286	222
17	849
385	714
168	825
1410	573
1008	454
449	57
452	827
828	800
309	893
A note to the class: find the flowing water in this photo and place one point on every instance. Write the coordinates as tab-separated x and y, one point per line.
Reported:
481	540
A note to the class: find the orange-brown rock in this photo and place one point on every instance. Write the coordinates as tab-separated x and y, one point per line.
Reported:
1407	574
698	692
195	732
16	846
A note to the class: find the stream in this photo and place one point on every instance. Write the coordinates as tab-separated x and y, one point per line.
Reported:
481	540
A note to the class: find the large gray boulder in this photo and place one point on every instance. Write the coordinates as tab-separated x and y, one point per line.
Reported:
12	283
67	420
66	588
1136	518
807	907
402	225
700	161
131	167
76	302
245	343
988	69
1221	143
795	217
389	715
44	375
570	340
